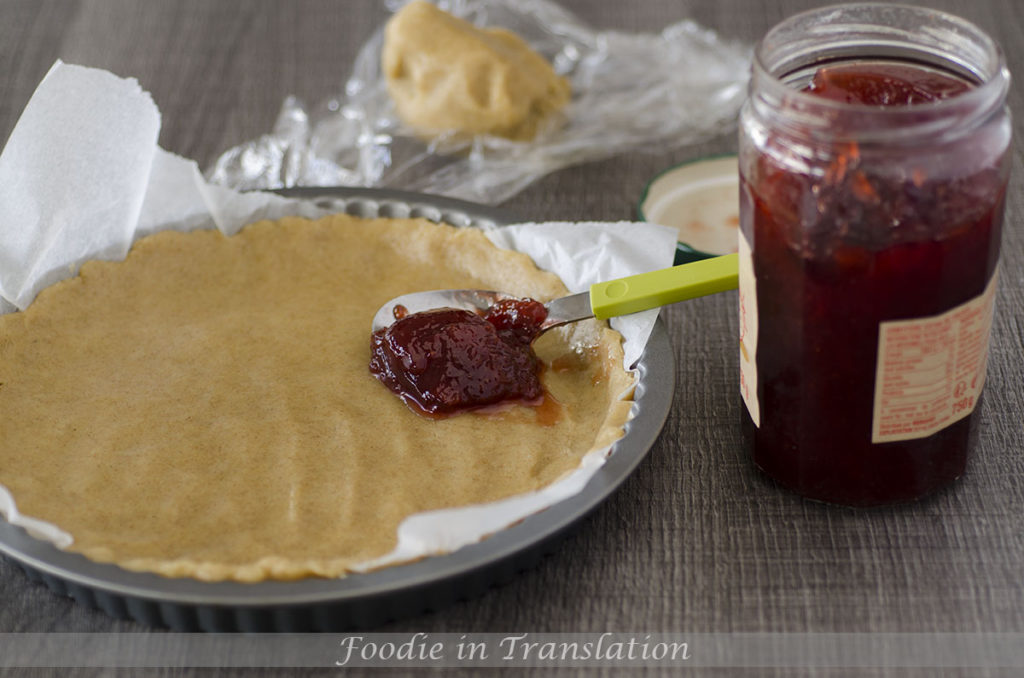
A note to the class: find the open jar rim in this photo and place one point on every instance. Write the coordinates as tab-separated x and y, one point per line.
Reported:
874	30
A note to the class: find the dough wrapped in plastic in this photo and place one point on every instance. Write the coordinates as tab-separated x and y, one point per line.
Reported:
445	75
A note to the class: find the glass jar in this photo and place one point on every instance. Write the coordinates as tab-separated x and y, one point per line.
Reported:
873	162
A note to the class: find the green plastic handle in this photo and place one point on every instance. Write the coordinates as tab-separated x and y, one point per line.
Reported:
667	286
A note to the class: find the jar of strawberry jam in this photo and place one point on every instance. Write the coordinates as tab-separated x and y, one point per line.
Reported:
873	162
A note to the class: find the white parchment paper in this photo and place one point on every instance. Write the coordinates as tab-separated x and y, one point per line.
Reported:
82	178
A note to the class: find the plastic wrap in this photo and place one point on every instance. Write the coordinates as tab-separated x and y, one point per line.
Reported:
630	92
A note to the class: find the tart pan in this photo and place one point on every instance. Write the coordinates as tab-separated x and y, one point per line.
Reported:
374	598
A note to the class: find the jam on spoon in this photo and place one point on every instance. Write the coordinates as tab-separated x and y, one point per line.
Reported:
443	361
447	361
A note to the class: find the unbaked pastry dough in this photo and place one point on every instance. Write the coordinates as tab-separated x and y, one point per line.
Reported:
446	75
204	408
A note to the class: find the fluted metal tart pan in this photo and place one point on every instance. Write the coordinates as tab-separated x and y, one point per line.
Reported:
371	599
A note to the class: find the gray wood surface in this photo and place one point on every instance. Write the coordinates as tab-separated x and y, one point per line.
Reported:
696	540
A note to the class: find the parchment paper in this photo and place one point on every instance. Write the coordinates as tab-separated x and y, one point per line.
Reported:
82	178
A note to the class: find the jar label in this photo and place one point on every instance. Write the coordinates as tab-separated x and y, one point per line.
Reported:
930	371
748	331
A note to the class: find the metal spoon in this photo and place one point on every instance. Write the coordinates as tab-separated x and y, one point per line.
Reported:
604	299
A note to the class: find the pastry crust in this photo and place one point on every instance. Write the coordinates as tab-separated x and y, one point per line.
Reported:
445	75
204	408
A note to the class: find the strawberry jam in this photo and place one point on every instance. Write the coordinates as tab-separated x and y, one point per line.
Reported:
883	84
859	222
447	361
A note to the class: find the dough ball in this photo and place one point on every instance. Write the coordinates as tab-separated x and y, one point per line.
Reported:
444	74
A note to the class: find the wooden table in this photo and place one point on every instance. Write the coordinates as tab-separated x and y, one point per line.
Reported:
696	540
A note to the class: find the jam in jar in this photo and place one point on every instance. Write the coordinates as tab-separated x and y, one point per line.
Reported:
873	182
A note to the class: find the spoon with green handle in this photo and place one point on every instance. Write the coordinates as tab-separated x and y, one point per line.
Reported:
604	299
